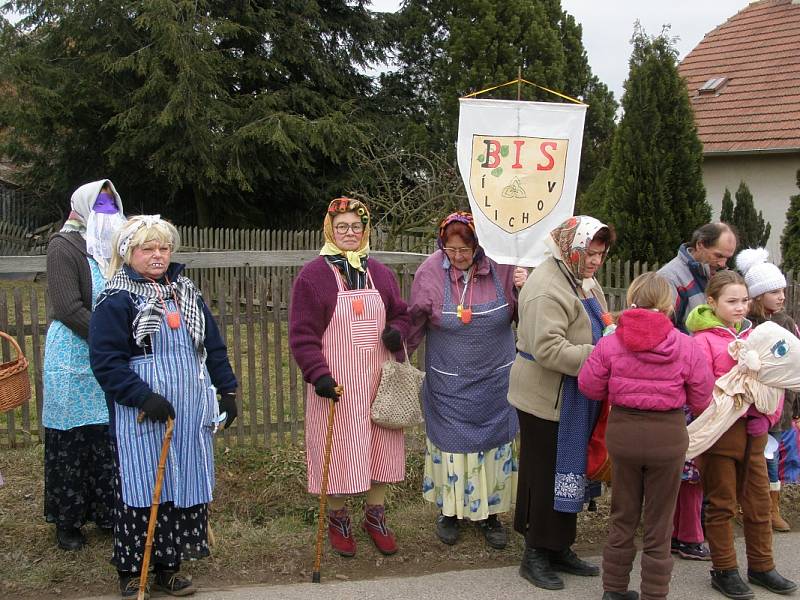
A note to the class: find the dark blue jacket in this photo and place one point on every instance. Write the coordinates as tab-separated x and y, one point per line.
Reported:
111	346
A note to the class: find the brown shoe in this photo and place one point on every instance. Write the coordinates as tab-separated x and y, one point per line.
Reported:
173	583
129	585
778	522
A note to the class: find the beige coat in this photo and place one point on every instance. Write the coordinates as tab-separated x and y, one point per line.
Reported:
555	329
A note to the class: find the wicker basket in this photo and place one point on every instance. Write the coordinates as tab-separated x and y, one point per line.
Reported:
15	387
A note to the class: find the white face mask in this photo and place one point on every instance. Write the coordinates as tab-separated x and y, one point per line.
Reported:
100	230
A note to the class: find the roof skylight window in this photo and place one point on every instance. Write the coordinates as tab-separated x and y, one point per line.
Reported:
713	85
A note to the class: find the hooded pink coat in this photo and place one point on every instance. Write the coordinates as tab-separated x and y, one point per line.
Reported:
714	344
647	364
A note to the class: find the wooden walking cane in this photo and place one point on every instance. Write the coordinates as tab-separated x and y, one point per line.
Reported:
323	492
151	524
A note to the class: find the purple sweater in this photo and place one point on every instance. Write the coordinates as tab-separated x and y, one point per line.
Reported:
313	302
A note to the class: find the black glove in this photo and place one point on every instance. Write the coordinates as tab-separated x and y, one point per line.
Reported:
392	339
157	408
325	386
227	404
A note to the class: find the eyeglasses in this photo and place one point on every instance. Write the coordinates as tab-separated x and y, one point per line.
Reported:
343	228
457	251
150	249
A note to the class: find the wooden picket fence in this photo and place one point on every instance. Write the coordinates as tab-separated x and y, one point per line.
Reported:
253	317
198	239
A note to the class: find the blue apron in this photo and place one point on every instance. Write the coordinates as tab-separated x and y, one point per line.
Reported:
578	417
72	396
464	394
174	371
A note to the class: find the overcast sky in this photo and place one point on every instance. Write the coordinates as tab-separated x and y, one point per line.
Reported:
608	26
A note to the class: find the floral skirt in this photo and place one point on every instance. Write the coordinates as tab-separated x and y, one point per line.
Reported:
79	476
473	485
181	534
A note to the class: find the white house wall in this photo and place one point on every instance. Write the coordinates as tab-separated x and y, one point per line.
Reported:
772	179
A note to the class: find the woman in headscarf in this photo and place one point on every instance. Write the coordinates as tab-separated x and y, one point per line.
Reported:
346	316
78	464
562	311
158	353
463	303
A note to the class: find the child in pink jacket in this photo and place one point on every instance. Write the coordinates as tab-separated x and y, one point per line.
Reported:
735	466
648	371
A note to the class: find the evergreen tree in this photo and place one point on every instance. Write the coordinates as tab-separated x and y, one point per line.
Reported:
790	239
448	48
654	195
753	232
220	112
726	214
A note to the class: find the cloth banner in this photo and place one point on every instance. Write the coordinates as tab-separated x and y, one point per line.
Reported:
519	162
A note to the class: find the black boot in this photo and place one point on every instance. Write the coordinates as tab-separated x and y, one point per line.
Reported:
567	561
627	595
772	580
730	584
494	532
70	538
536	568
447	529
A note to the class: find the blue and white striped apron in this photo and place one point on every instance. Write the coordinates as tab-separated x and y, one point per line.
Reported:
174	371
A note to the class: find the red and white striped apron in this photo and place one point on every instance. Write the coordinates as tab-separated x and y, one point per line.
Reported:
362	452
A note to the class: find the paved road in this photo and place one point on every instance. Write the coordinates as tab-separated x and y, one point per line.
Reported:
690	581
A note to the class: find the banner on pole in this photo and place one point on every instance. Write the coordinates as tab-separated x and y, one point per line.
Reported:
519	162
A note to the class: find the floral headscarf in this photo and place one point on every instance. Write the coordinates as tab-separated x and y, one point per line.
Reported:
342	205
569	241
456	217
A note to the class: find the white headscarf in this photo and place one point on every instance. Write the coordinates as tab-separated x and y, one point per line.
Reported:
99	228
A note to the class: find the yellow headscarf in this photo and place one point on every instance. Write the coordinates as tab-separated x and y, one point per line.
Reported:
343	205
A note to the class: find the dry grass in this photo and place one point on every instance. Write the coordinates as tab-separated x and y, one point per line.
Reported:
263	520
264	523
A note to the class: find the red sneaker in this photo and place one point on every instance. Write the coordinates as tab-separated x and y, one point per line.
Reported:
340	532
375	525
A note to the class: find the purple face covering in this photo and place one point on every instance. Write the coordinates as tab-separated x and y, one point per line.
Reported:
105	204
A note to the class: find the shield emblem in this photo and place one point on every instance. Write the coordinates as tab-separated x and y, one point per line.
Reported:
516	181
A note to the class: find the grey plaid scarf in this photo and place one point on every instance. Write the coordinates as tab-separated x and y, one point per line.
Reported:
151	312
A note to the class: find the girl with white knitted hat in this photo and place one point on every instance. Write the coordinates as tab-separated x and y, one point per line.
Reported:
766	286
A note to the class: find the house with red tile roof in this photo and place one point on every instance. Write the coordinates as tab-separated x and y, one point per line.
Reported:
744	85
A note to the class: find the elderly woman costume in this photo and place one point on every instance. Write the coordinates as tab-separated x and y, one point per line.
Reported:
463	303
78	463
562	313
157	353
346	316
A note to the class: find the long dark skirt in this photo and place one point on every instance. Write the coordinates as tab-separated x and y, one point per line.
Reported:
535	518
181	534
79	473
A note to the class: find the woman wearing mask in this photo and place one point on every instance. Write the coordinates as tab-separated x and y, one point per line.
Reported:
78	463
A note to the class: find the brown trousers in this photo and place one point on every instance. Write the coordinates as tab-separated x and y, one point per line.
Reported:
726	476
647	451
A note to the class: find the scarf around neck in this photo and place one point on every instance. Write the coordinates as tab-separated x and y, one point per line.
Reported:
155	295
352	263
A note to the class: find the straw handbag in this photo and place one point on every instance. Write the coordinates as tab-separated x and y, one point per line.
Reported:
396	403
15	387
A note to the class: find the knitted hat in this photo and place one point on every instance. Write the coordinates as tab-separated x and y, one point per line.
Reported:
759	275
